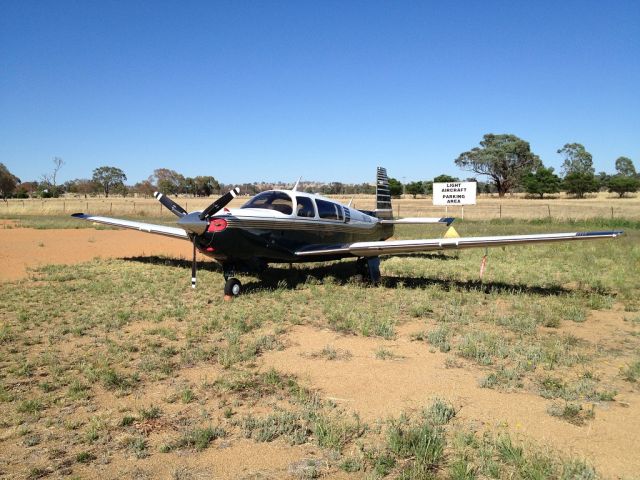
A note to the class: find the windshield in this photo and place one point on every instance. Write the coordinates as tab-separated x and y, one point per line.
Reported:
278	201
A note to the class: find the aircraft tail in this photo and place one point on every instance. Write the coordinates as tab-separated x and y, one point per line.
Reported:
383	195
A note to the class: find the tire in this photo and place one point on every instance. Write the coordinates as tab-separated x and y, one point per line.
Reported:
232	287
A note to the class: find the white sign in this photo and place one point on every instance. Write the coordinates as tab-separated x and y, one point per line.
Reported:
456	193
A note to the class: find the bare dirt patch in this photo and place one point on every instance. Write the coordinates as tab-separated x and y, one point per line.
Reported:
24	248
377	388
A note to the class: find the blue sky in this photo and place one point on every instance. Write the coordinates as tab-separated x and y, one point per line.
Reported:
271	90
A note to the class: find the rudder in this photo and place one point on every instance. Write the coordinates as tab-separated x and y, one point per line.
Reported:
383	194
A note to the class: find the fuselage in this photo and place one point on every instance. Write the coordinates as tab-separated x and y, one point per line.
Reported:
273	225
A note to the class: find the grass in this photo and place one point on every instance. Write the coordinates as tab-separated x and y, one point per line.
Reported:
90	343
631	373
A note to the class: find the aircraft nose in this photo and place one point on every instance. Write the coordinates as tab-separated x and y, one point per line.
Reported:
192	223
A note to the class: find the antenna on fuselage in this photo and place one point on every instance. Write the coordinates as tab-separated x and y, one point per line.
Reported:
295	187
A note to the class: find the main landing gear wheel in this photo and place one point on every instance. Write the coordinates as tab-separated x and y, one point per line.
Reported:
232	288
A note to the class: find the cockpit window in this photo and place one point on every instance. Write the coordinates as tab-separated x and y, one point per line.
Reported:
305	207
278	201
329	210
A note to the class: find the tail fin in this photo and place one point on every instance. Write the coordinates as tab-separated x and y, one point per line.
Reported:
383	195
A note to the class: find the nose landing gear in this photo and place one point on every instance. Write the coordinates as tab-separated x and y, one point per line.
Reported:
232	288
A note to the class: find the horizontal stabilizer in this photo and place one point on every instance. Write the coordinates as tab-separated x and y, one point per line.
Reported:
399	247
419	220
140	226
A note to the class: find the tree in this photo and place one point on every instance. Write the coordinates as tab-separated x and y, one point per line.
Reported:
395	187
144	188
622	184
504	158
82	186
8	182
49	186
108	178
576	159
541	182
415	188
625	167
579	183
445	179
603	180
168	181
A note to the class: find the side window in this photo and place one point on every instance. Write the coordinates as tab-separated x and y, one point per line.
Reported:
305	207
327	210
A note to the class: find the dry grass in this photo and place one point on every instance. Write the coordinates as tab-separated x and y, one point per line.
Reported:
561	207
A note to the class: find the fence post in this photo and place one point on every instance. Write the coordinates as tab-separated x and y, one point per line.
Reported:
186	206
87	207
500	205
111	208
134	207
549	210
611	212
64	206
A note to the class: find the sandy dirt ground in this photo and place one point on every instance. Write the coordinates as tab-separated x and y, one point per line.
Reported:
409	381
418	375
22	248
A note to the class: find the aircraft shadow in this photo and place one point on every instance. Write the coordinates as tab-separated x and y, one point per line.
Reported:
174	262
343	273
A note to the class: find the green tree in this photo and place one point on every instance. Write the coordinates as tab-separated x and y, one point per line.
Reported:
445	179
395	187
108	178
504	158
576	159
579	183
625	167
167	181
603	180
8	182
541	182
622	184
415	188
206	185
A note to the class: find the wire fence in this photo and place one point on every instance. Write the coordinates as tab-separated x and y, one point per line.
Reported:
486	209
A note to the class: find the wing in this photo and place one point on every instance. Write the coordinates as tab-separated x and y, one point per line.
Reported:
142	227
399	247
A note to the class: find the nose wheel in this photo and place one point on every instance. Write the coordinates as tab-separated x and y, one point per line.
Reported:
232	288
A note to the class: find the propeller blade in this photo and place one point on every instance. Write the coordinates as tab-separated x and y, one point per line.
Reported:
193	265
176	209
219	204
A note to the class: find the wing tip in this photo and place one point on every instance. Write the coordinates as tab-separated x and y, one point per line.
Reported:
606	233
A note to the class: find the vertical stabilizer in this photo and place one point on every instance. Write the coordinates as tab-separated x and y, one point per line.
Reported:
383	194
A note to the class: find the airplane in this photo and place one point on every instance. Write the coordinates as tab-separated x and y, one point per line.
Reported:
291	226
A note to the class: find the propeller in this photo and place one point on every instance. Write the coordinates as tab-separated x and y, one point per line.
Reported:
196	222
220	203
176	209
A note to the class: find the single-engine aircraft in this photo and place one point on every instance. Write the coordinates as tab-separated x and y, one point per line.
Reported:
287	226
